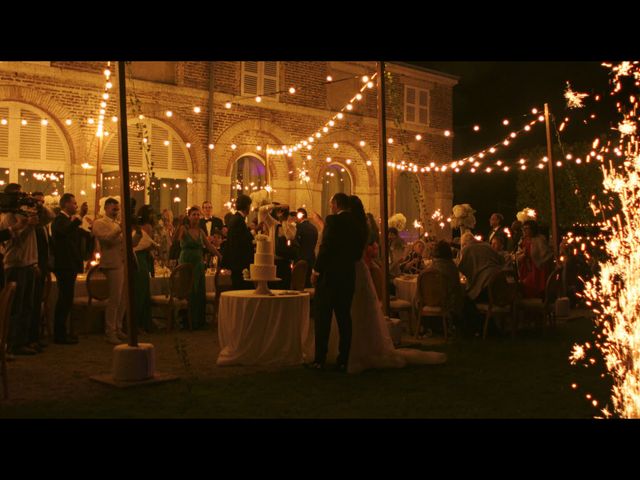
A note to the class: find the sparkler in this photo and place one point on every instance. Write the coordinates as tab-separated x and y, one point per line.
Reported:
615	292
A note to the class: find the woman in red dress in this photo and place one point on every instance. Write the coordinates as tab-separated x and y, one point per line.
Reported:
534	261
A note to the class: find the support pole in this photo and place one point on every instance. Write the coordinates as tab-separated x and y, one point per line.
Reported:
384	210
552	187
98	178
129	264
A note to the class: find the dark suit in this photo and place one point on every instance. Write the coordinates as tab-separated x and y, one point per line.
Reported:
66	235
42	240
341	247
307	238
209	227
4	236
238	253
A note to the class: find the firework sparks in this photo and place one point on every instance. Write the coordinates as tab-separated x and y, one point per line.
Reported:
574	99
615	291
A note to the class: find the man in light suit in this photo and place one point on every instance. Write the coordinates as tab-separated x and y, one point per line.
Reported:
109	234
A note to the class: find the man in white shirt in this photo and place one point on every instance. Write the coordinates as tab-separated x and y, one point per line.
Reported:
108	232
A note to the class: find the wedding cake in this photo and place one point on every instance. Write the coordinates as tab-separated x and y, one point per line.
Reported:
263	267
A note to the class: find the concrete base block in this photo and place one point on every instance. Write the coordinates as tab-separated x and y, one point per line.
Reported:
134	364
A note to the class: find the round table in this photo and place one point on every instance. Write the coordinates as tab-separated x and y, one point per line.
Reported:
406	287
262	329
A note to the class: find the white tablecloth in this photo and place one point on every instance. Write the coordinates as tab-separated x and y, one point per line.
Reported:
262	329
406	287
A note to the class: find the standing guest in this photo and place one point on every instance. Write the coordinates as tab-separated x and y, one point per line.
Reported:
144	272
219	242
164	234
66	239
108	231
192	242
43	241
209	222
535	260
20	265
239	250
307	238
495	221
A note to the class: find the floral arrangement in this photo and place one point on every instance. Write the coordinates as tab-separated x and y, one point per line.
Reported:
526	214
52	201
259	198
398	221
245	274
463	216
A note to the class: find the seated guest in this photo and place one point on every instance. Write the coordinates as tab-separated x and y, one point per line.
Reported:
413	263
535	260
478	262
497	244
442	261
395	251
516	236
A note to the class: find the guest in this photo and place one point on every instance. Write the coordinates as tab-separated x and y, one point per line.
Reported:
413	263
307	238
239	244
535	261
192	242
209	222
20	264
495	221
219	242
145	269
396	251
164	231
442	261
68	262
108	231
497	245
282	234
516	236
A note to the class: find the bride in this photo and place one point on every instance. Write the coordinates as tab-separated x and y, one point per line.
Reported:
371	344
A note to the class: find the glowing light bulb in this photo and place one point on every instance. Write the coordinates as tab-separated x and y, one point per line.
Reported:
141	117
505	122
44	122
368	163
359	96
166	143
68	121
418	137
390	140
114	119
227	105
105	96
292	90
447	133
325	129
211	146
196	109
534	111
329	78
541	118
476	128
335	145
362	143
169	113
259	148
91	121
348	161
340	116
258	99
369	84
349	106
188	145
365	79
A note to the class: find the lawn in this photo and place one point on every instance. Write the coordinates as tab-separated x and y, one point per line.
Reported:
529	377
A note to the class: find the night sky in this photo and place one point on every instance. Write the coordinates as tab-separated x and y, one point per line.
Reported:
489	92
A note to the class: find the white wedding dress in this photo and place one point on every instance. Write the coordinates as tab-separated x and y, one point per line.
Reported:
371	344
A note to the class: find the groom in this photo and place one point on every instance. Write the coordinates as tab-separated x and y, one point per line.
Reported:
334	278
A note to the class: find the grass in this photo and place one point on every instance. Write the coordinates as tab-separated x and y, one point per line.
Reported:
529	377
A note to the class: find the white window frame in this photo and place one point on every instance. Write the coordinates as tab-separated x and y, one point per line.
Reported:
416	105
13	161
260	76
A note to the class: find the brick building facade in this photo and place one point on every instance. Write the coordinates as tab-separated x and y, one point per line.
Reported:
51	110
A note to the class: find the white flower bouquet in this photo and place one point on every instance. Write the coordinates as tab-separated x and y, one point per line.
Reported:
463	217
259	198
398	221
526	214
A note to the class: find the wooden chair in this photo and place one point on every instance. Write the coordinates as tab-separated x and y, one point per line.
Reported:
180	285
213	298
432	299
546	307
45	311
6	302
299	275
97	294
503	292
396	305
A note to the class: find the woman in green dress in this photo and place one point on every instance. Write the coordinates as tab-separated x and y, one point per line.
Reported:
192	242
142	286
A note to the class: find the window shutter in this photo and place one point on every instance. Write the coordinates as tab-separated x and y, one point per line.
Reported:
423	107
55	149
178	158
30	135
409	102
250	78
110	154
159	151
270	79
135	145
4	133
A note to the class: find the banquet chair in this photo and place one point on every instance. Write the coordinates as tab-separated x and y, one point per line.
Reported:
503	292
299	275
180	284
45	313
97	294
545	308
432	299
6	302
213	298
396	305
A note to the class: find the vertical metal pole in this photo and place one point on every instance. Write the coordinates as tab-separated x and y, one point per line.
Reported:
129	264
552	186
98	178
384	210
210	135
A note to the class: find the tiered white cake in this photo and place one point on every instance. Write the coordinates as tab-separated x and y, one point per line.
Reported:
263	267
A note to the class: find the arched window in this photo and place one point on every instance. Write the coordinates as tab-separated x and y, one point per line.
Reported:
335	179
407	197
33	150
248	175
165	151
